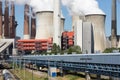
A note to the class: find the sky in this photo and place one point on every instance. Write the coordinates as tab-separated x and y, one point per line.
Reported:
105	5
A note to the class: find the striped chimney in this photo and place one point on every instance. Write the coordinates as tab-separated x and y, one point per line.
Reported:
33	25
6	20
26	22
1	19
114	25
12	21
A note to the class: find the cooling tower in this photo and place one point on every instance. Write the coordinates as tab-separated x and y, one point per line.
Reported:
1	19
44	23
26	22
76	18
114	25
6	20
98	22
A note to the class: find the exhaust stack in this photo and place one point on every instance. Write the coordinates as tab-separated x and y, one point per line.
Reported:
114	25
1	19
6	20
26	22
33	26
12	21
57	18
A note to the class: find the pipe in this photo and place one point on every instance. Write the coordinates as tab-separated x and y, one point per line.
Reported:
12	21
26	22
114	25
6	20
1	19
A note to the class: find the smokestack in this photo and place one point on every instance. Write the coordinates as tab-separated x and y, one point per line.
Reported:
26	22
1	19
12	21
57	18
6	20
33	26
114	25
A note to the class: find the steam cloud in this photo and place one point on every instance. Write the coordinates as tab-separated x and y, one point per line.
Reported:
82	7
75	7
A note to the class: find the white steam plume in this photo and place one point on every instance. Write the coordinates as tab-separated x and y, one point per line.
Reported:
75	7
82	7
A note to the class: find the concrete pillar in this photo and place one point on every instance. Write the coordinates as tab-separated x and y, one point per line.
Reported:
87	75
98	77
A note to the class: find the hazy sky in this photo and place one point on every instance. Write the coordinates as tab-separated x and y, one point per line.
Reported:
105	5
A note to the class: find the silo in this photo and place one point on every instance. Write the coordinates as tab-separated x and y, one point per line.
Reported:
44	24
98	22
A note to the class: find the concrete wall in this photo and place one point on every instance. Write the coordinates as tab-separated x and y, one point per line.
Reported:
88	42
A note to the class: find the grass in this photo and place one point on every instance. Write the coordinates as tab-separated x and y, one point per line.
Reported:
25	75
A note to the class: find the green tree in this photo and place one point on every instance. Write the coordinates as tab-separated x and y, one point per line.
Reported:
110	50
76	49
55	49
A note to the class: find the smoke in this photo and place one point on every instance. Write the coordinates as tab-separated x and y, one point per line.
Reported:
82	7
75	7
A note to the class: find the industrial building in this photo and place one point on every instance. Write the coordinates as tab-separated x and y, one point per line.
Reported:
87	31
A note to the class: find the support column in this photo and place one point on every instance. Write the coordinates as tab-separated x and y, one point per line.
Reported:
87	75
98	77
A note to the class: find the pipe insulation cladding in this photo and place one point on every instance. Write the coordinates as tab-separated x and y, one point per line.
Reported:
98	22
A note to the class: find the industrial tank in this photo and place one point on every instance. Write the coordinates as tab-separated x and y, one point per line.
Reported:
44	24
98	22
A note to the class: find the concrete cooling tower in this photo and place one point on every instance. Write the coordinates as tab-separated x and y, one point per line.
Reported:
44	25
98	22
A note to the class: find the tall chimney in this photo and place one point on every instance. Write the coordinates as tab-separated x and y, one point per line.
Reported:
1	19
33	25
57	18
12	21
6	20
114	25
26	22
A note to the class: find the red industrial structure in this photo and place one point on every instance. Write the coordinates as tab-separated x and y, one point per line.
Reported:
67	40
34	44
